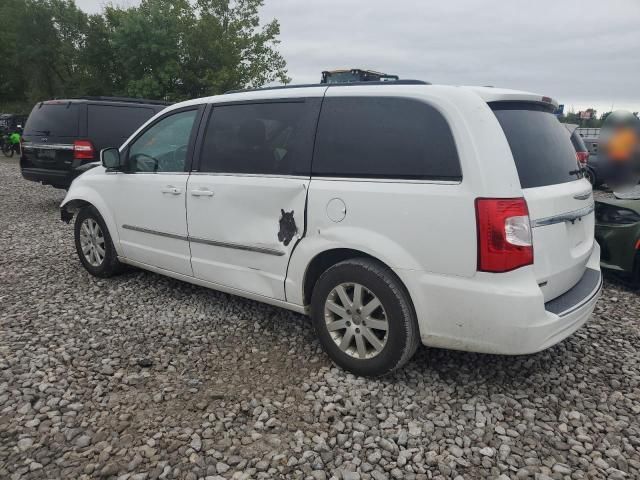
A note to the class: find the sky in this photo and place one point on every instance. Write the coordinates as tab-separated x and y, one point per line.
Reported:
583	53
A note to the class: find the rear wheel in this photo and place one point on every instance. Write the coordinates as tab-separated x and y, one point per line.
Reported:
364	318
7	150
93	244
589	175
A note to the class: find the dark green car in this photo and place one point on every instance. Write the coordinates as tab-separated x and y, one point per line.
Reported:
618	233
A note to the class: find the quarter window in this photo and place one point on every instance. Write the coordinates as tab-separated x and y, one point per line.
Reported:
384	137
260	138
163	147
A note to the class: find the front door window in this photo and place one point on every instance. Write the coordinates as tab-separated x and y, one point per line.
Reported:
163	147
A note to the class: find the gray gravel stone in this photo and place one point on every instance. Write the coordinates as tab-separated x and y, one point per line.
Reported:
142	377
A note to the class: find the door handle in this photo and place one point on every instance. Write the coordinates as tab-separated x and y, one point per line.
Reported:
172	190
202	193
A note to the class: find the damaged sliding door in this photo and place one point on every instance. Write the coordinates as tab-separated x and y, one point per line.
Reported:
246	201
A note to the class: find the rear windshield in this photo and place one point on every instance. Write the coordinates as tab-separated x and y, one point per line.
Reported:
541	148
53	119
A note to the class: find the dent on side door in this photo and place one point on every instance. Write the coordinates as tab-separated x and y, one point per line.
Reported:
243	236
254	212
291	222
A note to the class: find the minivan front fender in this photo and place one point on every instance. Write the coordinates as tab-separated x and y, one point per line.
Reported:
80	195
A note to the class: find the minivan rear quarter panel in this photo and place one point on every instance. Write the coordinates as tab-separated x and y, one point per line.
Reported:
421	225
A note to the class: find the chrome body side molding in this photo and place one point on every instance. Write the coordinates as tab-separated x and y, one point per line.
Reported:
238	246
215	243
155	232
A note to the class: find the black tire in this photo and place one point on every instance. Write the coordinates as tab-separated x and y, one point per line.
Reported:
7	150
110	265
591	177
402	337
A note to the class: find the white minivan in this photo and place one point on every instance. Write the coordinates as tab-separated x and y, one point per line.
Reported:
393	214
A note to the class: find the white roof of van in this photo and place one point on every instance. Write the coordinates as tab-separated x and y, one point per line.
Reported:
488	94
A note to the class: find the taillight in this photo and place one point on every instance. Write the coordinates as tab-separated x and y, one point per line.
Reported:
583	157
82	150
504	234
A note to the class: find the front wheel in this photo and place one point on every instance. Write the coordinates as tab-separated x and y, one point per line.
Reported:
364	318
93	244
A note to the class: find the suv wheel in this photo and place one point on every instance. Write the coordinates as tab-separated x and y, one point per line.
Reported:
589	175
364	318
94	245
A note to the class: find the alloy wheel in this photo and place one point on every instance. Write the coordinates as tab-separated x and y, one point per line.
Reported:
92	242
356	320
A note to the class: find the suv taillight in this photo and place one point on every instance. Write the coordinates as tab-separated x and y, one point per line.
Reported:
582	157
504	234
82	150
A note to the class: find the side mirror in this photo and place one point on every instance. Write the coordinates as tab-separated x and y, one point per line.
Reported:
110	158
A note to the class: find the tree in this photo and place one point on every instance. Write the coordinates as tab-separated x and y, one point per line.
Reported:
50	36
240	54
161	49
12	80
97	70
170	49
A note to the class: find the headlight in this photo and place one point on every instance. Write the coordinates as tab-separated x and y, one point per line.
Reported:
615	215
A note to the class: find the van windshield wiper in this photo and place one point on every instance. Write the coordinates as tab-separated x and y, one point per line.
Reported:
44	132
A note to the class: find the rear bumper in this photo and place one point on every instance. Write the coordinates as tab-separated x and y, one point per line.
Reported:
500	313
57	178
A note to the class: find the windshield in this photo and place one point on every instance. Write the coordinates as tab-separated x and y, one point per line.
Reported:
541	148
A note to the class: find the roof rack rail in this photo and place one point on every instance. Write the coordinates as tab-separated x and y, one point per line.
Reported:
330	85
124	100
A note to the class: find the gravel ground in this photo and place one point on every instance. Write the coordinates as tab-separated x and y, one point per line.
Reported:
142	377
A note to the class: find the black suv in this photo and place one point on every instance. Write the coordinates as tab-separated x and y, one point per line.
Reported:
62	136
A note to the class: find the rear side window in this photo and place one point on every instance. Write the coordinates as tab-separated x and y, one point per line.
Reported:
383	137
541	148
110	126
273	138
54	119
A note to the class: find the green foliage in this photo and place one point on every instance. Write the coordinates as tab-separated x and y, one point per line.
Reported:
593	122
162	49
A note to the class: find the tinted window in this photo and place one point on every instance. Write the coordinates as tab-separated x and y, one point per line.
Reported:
110	126
384	138
53	119
541	148
263	138
163	146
